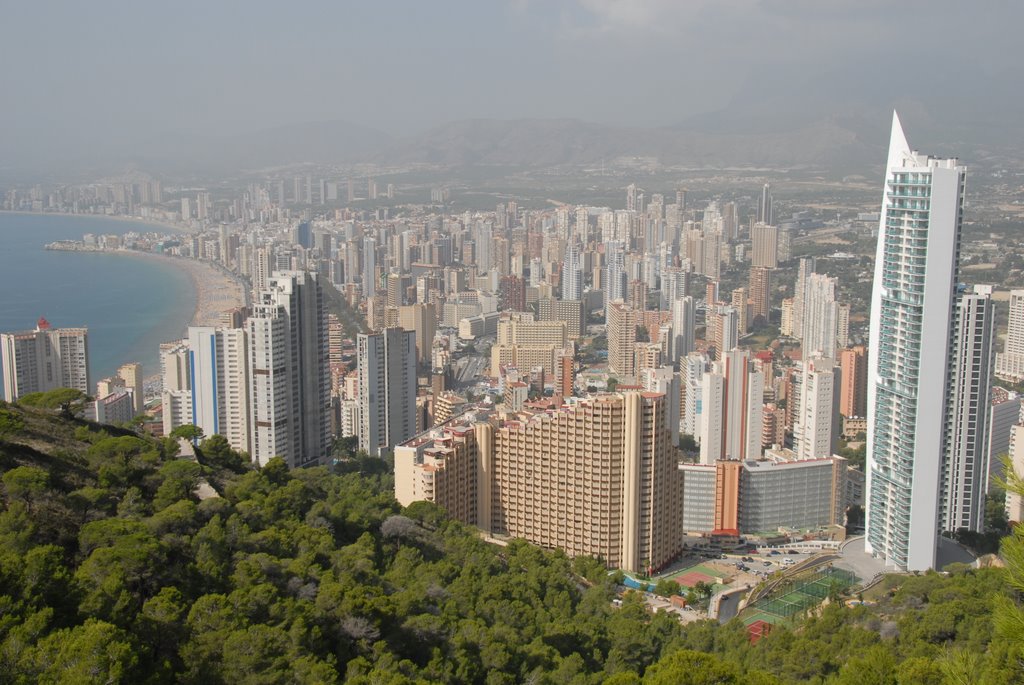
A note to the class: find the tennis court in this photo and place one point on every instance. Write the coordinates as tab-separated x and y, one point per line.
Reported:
798	595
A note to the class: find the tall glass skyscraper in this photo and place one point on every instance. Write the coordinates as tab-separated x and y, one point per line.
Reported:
911	340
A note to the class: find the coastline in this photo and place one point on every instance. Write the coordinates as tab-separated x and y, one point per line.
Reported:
154	223
216	290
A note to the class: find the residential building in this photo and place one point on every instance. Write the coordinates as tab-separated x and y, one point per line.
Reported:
1010	362
290	385
422	320
597	477
764	251
622	325
760	295
966	467
853	393
387	389
220	377
566	310
817	428
910	347
44	359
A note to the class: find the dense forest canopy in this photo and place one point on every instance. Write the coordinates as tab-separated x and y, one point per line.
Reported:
112	569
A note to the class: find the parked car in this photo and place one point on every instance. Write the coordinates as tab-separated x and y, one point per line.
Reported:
787	562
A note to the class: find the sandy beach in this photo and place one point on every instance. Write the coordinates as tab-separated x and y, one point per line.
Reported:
217	290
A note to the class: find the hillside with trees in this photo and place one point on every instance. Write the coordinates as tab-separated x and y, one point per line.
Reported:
113	569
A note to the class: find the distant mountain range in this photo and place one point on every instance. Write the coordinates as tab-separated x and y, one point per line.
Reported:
812	125
739	136
536	143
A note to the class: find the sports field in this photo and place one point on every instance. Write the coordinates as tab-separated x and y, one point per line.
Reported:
798	595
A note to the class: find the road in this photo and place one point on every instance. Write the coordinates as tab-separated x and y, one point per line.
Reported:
468	370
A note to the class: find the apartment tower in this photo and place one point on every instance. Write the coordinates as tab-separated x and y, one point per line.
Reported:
910	347
290	377
598	477
44	359
387	389
966	465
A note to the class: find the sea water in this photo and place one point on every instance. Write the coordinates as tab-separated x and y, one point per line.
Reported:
129	304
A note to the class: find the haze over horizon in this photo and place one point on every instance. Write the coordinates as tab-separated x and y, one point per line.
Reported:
110	79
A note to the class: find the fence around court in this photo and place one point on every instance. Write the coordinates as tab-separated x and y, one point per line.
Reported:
797	594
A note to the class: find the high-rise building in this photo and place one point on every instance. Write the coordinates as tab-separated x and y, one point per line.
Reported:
722	328
218	363
675	283
622	325
421	318
912	307
804	271
44	359
683	329
290	385
176	398
818	425
732	409
820	317
765	215
1004	414
572	272
512	294
1010	362
764	249
853	393
131	374
369	267
387	389
614	282
395	291
760	295
569	311
666	380
966	466
740	302
597	478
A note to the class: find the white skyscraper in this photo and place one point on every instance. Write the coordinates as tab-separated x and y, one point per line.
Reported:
369	267
765	215
966	467
691	369
820	317
176	398
683	328
818	424
615	275
484	247
675	283
572	272
804	271
290	378
44	359
218	362
1010	362
910	347
732	409
387	389
711	416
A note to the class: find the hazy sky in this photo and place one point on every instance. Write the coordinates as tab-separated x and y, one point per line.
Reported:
122	71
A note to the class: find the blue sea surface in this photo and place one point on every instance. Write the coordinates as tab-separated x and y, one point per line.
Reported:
130	304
